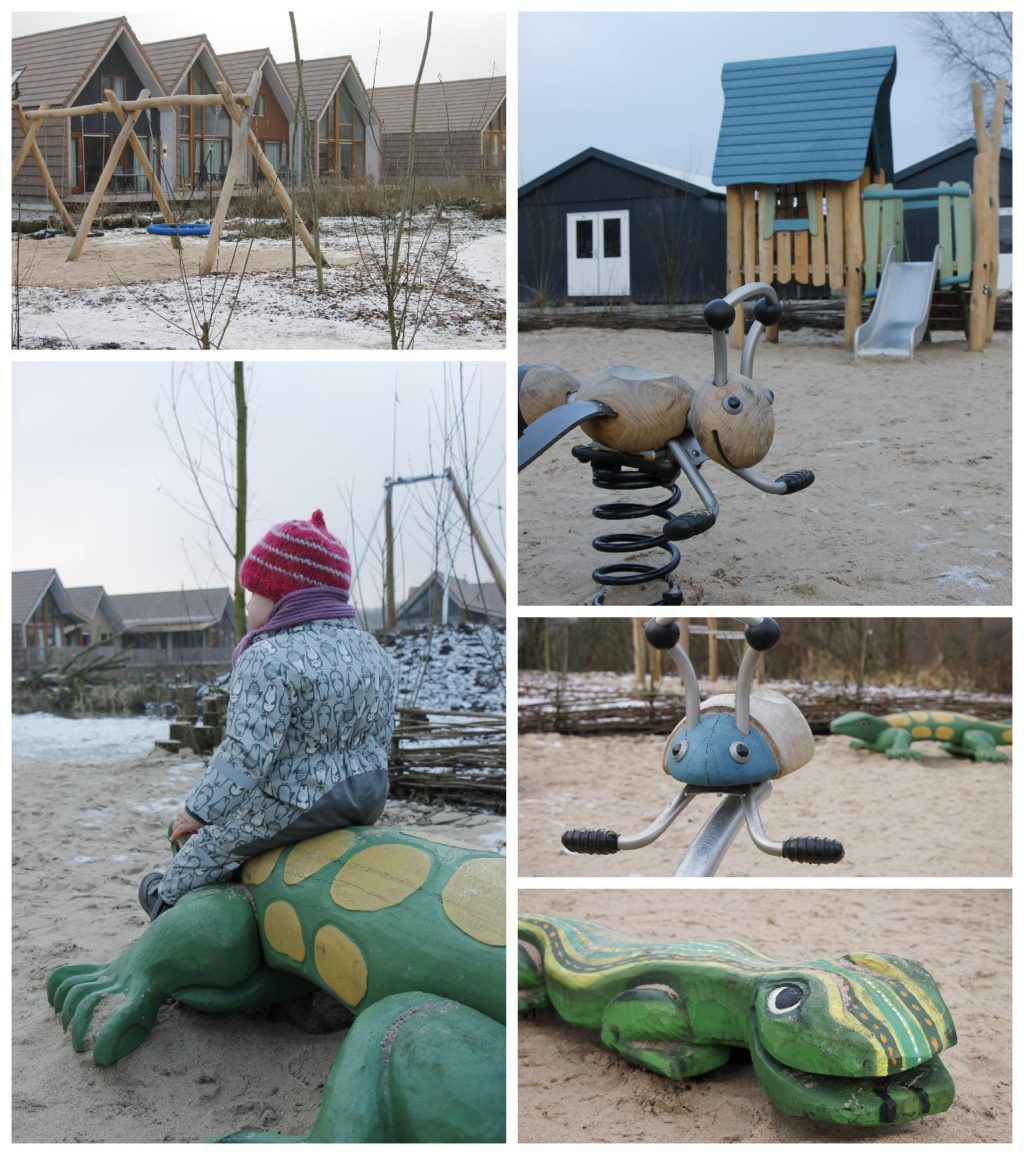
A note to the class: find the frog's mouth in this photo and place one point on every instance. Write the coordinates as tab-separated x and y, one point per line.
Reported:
926	1089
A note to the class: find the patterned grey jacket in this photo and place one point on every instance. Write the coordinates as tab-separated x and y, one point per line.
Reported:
311	707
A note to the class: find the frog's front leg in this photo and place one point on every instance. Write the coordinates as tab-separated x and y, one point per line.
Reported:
649	1027
208	940
976	744
414	1068
532	990
896	744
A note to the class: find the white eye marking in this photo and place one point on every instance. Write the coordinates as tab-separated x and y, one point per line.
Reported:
785	998
739	752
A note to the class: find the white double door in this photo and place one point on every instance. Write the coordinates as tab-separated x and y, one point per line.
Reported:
597	247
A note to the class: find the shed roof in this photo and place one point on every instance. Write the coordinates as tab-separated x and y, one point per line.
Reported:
171	610
675	178
446	106
969	146
58	62
484	597
173	58
800	118
29	587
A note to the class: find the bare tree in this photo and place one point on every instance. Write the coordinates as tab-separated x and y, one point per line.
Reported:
970	46
302	118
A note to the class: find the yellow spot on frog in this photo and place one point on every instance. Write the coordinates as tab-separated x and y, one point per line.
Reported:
1007	735
306	858
379	877
341	965
284	931
919	715
260	868
474	899
944	733
920	731
898	720
443	839
944	716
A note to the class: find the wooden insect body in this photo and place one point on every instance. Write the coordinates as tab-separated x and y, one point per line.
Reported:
543	388
650	407
734	422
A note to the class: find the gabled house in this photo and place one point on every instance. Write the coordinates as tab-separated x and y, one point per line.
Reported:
460	128
198	138
275	106
101	622
74	66
345	129
457	600
183	624
44	620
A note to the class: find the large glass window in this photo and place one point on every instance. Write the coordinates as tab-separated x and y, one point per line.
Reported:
204	134
342	137
493	143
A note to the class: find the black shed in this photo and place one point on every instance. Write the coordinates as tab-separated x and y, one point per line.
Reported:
921	228
599	227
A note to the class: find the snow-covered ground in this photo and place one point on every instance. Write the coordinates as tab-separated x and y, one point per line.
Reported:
136	299
450	668
47	738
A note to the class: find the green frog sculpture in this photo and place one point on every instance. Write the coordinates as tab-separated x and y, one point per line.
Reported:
958	734
406	932
853	1041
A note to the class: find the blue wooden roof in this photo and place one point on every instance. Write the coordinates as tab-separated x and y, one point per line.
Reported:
800	118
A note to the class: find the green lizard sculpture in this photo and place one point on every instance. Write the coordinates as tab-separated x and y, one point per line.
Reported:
850	1041
407	933
959	734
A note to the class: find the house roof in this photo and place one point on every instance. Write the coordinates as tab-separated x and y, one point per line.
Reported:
800	118
319	78
675	178
171	610
239	67
481	598
970	146
29	587
89	600
447	106
59	62
173	59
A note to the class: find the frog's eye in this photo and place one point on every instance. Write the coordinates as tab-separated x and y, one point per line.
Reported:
770	394
739	752
785	998
732	403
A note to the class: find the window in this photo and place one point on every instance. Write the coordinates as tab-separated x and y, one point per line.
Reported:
119	85
260	107
493	141
584	240
204	134
613	237
342	137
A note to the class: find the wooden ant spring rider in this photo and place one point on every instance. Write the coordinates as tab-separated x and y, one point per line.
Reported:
648	426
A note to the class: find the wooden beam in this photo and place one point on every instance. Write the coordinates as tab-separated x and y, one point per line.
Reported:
814	191
238	155
749	235
996	139
51	188
833	223
853	237
734	254
96	199
140	104
30	129
278	188
158	193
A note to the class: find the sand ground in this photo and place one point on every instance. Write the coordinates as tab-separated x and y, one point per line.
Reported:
910	506
84	836
572	1090
943	817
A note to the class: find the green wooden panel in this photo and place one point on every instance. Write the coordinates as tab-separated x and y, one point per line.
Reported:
871	211
813	193
963	228
945	234
768	194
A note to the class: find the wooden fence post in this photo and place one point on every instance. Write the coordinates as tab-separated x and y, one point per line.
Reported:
30	130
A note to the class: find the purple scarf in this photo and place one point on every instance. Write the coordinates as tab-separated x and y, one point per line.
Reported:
297	608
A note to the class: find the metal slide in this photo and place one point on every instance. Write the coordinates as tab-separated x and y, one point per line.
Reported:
900	316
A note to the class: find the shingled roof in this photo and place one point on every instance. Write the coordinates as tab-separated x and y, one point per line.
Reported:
801	118
173	58
448	106
171	610
239	67
29	587
319	78
57	63
88	600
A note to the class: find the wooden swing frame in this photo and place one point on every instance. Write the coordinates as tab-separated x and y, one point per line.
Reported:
239	108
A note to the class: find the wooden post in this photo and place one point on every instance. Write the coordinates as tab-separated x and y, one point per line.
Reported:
238	155
277	187
995	146
389	559
478	537
734	254
712	650
158	193
985	272
853	236
833	225
51	188
639	653
749	272
104	179
30	128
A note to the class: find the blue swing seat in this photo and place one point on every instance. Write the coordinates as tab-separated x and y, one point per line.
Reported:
185	229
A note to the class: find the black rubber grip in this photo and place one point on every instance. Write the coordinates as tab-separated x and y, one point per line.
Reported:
798	479
662	635
767	312
591	841
764	635
688	525
814	850
719	314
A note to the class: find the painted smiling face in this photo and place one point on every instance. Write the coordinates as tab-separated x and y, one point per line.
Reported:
734	423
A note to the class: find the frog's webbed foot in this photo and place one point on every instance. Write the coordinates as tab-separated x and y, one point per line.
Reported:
860	744
128	1008
905	754
649	1027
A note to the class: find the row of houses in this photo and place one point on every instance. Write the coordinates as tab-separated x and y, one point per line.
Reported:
50	621
601	225
356	133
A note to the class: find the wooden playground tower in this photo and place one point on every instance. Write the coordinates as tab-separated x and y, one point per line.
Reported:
239	108
805	151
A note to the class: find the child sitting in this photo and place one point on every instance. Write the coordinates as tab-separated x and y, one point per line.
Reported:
309	721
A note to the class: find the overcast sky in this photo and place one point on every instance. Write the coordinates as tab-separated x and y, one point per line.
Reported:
463	45
97	490
647	86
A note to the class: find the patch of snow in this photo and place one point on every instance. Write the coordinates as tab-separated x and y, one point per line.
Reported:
86	741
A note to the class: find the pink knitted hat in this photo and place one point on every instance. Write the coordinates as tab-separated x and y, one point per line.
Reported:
296	555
